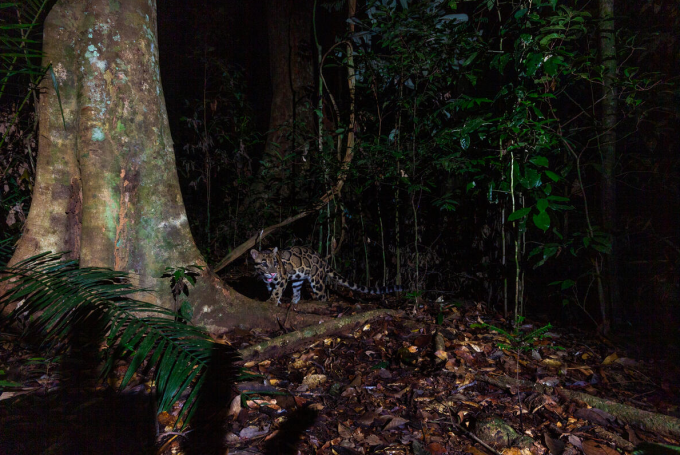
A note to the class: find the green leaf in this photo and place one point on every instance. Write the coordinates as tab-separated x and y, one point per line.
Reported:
499	62
532	62
542	221
566	284
539	161
517	214
186	310
548	251
470	59
546	39
557	234
538	112
606	249
535	251
542	204
531	179
554	177
552	65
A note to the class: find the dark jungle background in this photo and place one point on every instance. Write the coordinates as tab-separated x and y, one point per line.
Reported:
523	154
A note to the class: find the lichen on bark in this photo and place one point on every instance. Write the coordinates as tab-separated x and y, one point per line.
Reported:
106	184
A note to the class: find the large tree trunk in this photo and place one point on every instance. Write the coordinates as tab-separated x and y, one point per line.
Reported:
608	151
106	185
291	64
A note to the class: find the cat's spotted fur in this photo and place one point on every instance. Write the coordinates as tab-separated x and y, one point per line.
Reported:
297	264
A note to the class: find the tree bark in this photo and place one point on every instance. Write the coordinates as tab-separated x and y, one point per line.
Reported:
106	185
607	44
292	77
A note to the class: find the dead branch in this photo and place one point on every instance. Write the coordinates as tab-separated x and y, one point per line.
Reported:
248	244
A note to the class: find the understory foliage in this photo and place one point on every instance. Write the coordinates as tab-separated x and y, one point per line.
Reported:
214	162
20	74
489	117
477	161
59	303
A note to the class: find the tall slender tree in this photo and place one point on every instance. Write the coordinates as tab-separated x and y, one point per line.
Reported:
607	142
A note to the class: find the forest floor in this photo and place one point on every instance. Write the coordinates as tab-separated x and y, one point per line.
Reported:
429	382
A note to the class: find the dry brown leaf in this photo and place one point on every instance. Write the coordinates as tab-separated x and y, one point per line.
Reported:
356	382
591	447
374	440
367	419
300	401
300	364
344	432
575	441
441	355
556	446
423	341
610	359
349	392
551	363
464	353
435	447
234	407
395	422
166	419
474	450
595	415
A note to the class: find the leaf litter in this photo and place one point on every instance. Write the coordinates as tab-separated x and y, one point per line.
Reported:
424	383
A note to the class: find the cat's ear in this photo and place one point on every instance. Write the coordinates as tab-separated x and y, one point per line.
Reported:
275	250
254	254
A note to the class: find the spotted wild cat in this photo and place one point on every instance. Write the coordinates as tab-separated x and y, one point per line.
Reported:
300	263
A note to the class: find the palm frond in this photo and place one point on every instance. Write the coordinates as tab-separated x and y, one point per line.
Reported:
6	250
55	295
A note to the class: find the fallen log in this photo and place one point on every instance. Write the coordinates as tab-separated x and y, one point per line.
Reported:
288	342
645	420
